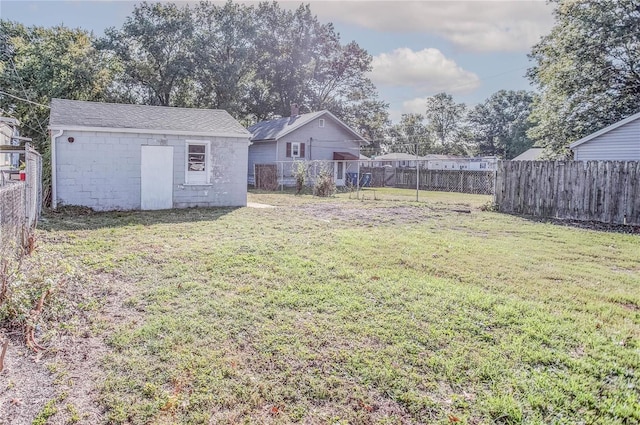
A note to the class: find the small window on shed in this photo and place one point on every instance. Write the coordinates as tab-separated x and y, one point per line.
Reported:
321	122
197	162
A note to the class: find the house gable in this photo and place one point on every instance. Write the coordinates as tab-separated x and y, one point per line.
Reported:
618	142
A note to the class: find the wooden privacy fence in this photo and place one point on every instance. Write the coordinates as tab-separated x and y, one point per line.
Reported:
463	181
604	191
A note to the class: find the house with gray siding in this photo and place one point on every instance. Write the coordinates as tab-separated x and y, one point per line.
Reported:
315	136
120	157
618	142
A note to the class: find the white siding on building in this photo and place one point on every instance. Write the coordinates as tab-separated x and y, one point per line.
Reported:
619	144
261	153
320	142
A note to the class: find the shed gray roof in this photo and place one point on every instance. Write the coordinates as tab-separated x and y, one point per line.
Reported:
279	127
76	113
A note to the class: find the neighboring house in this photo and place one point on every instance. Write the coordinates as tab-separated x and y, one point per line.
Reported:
533	154
435	162
618	142
118	157
396	160
454	162
311	137
9	136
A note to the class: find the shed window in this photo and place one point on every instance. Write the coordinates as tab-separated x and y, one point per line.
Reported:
321	122
197	162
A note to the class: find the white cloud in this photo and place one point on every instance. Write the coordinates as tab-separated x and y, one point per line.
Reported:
479	26
414	106
426	71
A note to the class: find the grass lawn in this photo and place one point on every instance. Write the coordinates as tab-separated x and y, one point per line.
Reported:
351	311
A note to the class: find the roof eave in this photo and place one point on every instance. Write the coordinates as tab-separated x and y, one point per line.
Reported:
245	135
605	130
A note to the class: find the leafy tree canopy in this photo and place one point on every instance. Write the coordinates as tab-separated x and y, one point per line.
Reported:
499	125
586	70
38	64
253	60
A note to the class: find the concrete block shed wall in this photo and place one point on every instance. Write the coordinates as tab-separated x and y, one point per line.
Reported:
102	170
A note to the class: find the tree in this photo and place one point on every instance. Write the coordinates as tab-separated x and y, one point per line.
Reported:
586	70
499	125
446	123
37	64
155	49
224	55
254	61
409	134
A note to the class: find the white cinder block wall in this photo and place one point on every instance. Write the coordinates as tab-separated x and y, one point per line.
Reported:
102	170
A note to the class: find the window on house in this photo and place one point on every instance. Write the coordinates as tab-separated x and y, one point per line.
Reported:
321	122
483	165
295	150
197	166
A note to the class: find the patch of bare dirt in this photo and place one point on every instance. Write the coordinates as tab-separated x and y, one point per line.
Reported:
61	384
357	215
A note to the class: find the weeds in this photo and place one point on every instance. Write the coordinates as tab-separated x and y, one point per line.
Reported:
300	169
324	185
28	285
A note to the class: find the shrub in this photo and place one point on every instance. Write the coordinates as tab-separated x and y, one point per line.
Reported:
300	174
324	185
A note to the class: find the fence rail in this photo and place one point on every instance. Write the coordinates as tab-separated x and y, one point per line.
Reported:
462	181
20	205
604	191
281	174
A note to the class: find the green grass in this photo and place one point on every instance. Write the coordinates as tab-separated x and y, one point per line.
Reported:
380	310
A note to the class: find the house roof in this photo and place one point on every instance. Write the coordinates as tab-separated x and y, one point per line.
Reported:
605	130
532	154
279	127
66	114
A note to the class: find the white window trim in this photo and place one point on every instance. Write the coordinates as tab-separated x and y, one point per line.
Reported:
321	123
207	161
295	145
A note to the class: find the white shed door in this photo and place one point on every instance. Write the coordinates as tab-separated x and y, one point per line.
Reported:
156	177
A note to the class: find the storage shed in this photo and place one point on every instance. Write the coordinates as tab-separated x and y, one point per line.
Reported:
617	142
111	156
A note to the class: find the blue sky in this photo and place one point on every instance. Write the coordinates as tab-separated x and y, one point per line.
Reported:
468	48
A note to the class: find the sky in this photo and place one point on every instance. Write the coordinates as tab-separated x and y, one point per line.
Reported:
468	48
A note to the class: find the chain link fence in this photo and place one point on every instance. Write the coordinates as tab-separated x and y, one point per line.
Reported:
20	204
464	177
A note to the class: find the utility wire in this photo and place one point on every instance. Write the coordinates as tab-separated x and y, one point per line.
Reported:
22	99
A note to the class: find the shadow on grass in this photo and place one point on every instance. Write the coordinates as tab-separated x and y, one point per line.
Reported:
81	218
581	224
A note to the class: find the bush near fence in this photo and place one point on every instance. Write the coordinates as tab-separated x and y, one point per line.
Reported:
604	191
